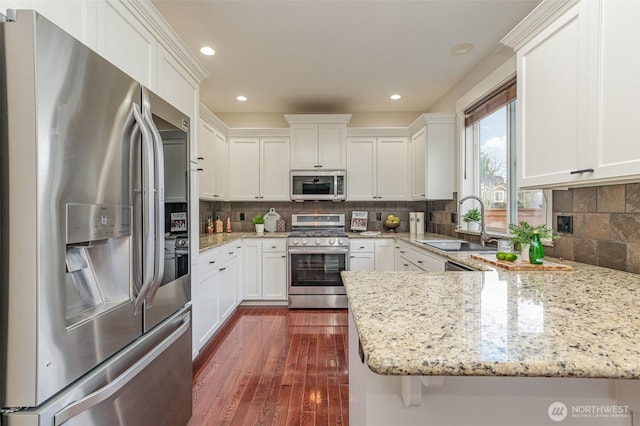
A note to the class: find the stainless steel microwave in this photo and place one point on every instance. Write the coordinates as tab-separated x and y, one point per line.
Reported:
317	185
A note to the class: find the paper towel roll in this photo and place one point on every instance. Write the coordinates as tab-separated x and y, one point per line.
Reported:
420	223
412	222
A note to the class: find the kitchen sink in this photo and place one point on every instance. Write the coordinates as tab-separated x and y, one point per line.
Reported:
456	245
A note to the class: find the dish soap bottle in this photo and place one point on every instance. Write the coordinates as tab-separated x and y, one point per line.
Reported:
536	250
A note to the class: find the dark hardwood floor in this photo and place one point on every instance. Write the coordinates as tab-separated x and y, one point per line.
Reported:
274	366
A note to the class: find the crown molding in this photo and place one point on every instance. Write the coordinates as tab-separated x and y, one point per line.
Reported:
537	20
212	119
430	118
262	133
149	16
318	118
377	131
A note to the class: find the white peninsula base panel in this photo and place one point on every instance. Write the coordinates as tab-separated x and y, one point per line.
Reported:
493	401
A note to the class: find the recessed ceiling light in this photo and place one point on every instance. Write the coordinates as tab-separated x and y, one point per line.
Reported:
461	49
395	97
241	98
206	50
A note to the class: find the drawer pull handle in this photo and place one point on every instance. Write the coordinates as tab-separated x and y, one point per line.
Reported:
222	269
200	169
420	261
581	171
402	252
231	252
211	262
273	247
200	158
361	247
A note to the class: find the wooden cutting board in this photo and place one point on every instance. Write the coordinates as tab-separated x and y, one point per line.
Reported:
520	264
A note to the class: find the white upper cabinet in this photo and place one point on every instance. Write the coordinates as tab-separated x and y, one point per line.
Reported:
126	43
617	153
258	169
377	168
577	80
432	157
318	140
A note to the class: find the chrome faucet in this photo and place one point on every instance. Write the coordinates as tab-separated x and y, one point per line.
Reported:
484	238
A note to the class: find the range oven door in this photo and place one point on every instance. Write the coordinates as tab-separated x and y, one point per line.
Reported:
316	270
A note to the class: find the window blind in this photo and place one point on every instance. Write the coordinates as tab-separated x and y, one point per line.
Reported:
491	102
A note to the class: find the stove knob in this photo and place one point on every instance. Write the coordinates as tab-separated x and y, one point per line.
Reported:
331	241
296	242
304	242
318	242
340	241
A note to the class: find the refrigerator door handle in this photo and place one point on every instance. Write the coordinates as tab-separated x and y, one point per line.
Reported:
121	381
148	205
158	154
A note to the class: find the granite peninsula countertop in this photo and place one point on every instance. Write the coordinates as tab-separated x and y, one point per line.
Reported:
583	323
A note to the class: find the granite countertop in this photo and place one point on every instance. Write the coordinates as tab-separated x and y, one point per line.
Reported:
210	241
583	323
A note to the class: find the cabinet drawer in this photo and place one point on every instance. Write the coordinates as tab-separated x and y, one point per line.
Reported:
209	261
229	251
274	245
362	246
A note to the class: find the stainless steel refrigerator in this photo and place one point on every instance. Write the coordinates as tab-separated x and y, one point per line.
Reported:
92	332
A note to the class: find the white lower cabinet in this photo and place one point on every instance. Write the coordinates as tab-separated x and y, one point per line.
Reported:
206	311
265	269
408	258
215	295
371	254
361	255
274	270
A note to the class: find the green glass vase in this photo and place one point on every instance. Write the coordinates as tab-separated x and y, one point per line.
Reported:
536	250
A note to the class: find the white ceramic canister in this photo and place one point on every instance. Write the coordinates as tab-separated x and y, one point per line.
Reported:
412	222
420	223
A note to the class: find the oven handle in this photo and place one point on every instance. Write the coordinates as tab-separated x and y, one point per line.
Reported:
318	250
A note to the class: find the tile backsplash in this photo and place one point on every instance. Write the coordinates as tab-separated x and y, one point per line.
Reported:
606	226
606	220
233	210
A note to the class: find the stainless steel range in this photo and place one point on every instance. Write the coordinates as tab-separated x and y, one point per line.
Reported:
318	253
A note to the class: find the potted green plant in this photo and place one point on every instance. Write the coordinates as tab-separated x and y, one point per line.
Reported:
472	219
258	221
522	234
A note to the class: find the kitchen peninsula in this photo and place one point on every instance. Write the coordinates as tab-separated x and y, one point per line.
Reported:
494	347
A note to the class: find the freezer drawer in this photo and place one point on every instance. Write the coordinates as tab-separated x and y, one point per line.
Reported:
148	383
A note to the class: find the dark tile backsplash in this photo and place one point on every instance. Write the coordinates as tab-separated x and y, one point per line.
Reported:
606	226
606	220
225	209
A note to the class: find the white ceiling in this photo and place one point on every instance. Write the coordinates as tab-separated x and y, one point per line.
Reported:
337	56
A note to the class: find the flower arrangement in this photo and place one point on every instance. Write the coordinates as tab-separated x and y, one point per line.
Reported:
522	233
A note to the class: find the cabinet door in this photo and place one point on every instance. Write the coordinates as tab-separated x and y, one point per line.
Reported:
384	255
123	41
440	161
419	165
304	146
252	268
274	276
219	165
361	169
206	135
228	282
274	175
392	169
618	154
332	150
553	98
206	312
362	262
244	169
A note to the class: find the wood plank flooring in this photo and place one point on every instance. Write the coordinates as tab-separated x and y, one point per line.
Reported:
274	366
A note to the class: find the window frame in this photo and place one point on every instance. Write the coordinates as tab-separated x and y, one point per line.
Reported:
468	149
